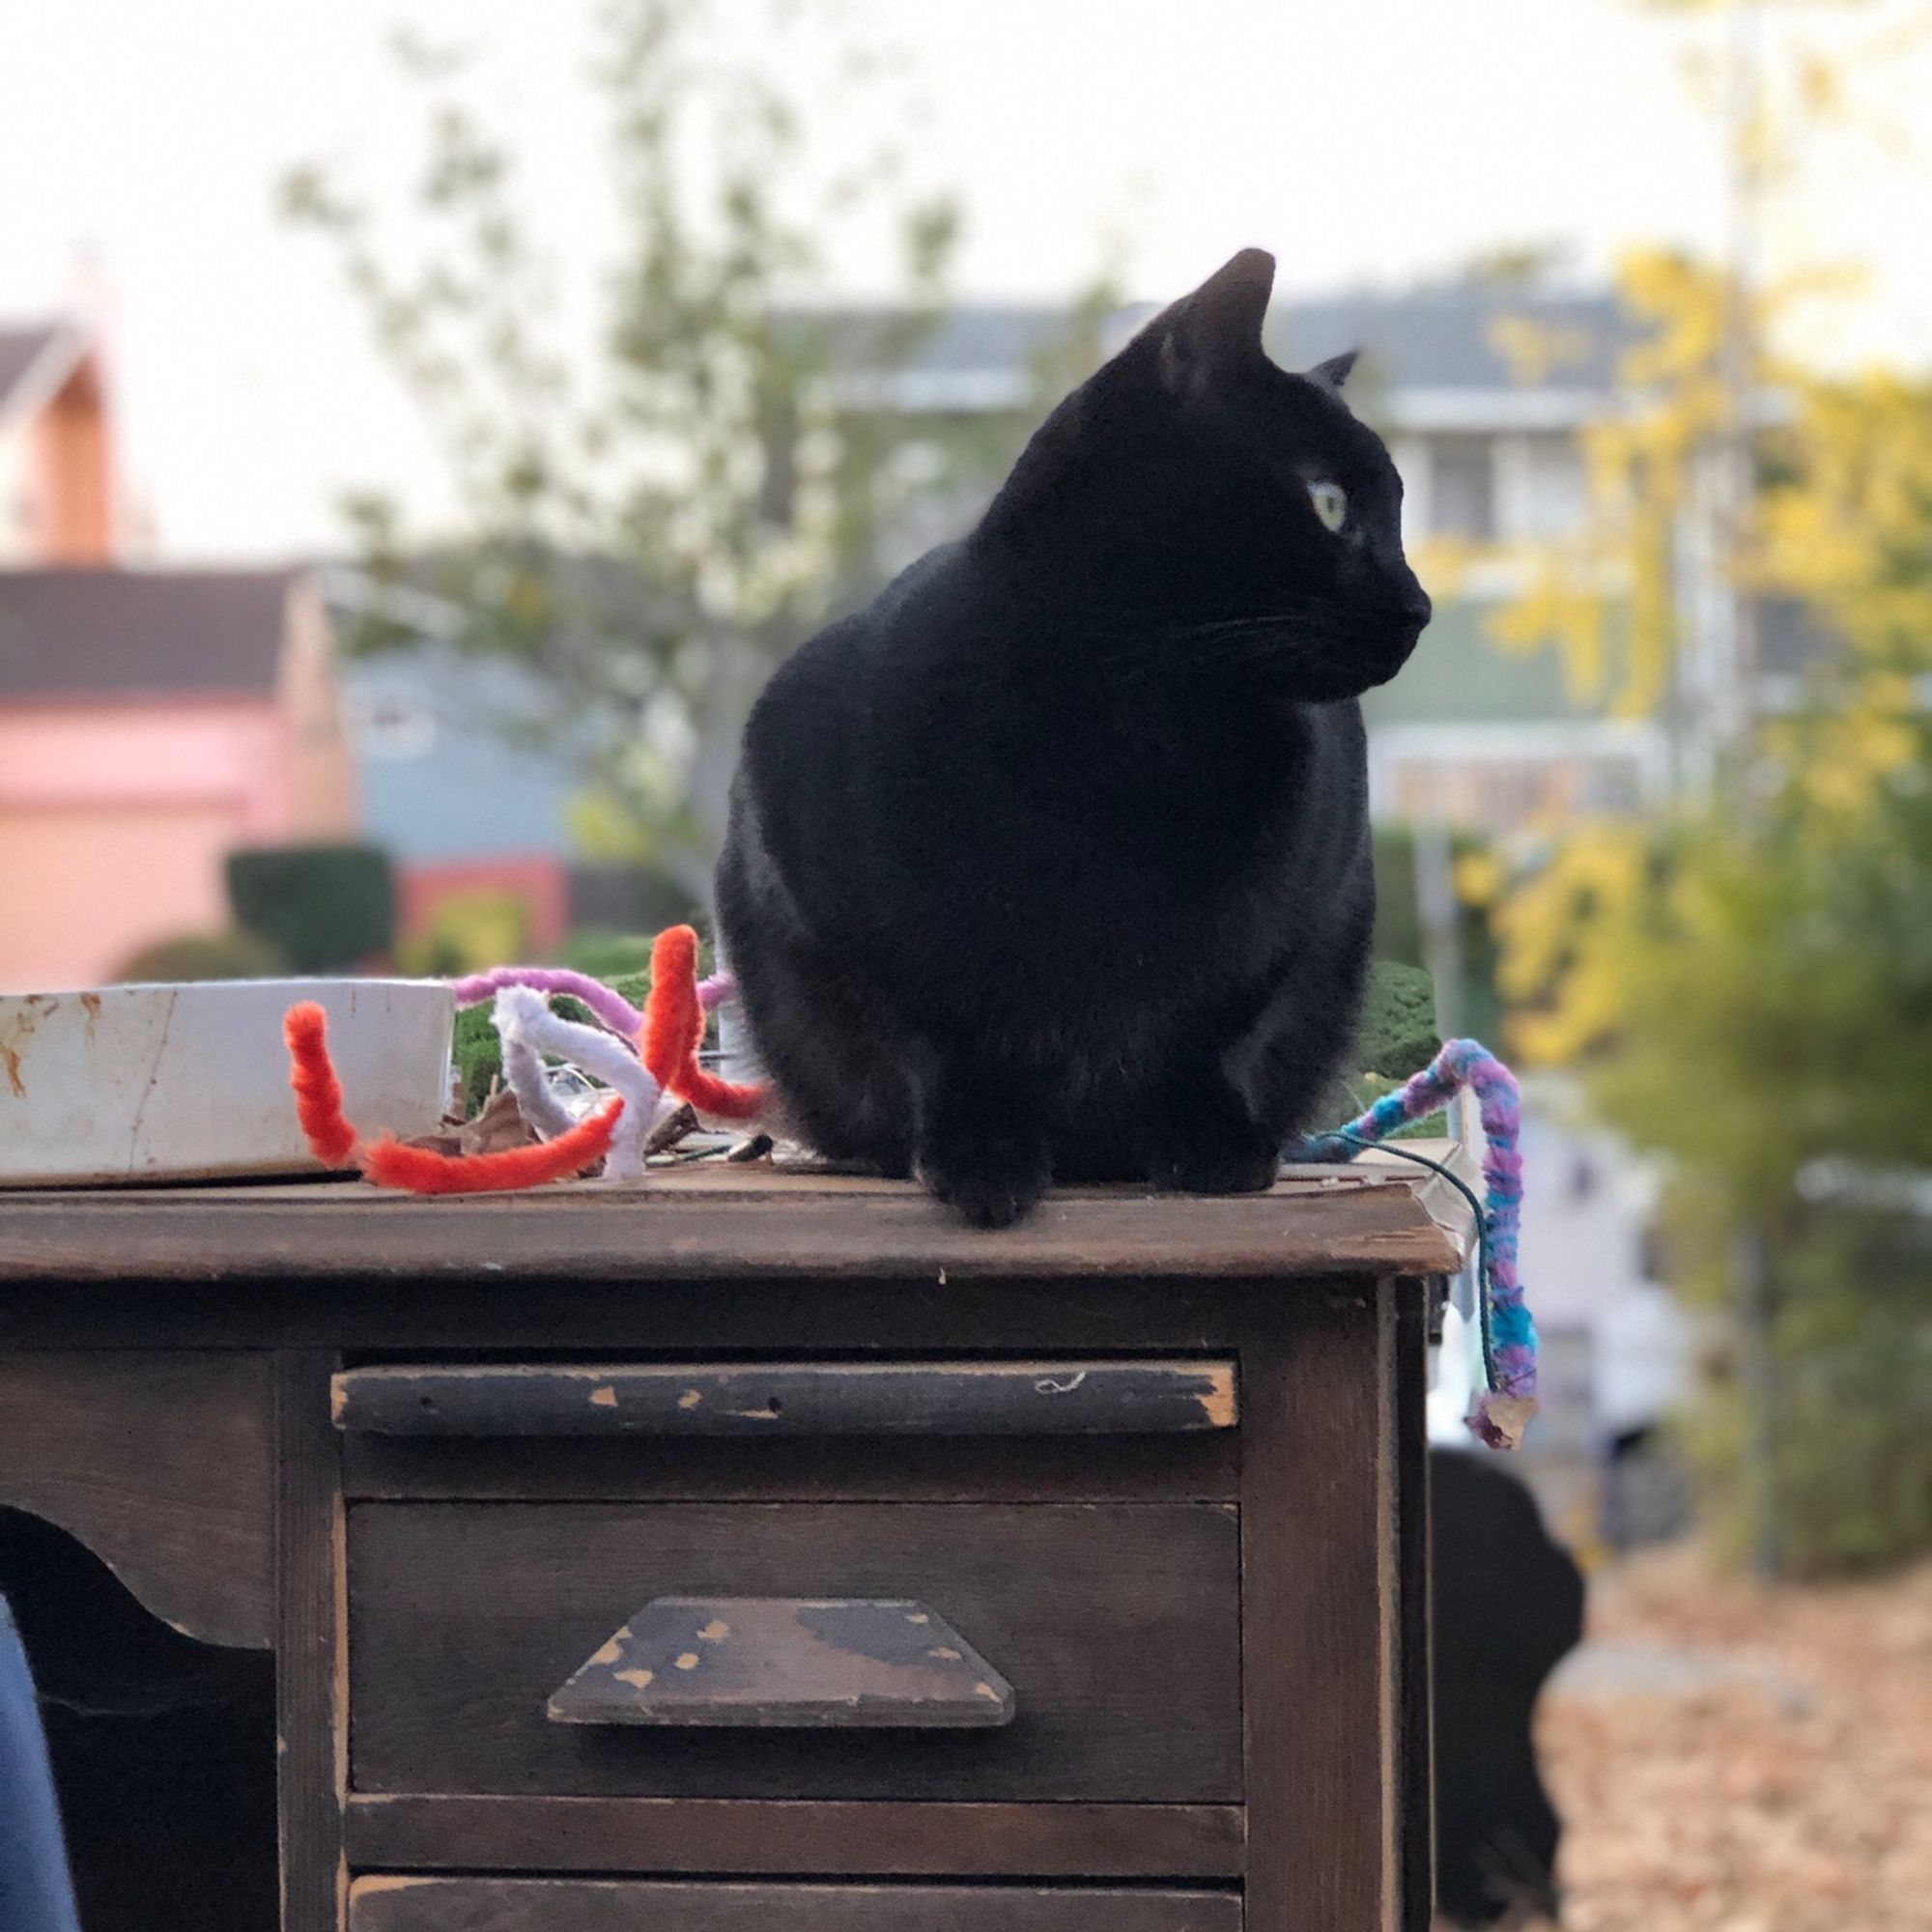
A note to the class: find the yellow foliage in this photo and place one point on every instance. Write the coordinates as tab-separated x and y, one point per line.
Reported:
1536	349
1479	877
1843	524
1560	606
1564	985
1607	599
1848	528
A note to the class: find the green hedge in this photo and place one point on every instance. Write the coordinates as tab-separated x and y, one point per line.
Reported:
324	908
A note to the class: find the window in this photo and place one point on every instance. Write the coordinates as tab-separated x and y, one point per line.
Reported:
1554	501
1462	489
390	725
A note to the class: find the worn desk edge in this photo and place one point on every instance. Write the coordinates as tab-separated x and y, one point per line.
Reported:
717	1222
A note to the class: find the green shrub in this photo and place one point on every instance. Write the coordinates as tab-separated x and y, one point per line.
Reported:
605	955
1396	1035
323	907
479	1054
203	955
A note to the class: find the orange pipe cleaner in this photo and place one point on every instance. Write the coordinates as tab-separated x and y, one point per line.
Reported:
419	1170
318	1091
674	1021
675	1031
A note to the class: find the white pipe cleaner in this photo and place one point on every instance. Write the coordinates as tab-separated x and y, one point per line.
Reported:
523	1075
528	1029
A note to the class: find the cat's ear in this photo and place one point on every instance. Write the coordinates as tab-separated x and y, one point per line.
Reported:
1220	322
1334	372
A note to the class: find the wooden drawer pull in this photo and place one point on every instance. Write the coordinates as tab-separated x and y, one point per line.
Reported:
1104	1397
787	1662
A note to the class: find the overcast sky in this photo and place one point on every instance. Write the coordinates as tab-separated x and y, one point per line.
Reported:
1361	140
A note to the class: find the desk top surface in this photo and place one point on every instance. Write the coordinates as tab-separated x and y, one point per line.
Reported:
713	1221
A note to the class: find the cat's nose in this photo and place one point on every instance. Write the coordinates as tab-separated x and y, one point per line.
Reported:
1416	609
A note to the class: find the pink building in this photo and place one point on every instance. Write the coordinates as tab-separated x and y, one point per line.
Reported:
150	721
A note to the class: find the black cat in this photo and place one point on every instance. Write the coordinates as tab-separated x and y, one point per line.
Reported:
1055	860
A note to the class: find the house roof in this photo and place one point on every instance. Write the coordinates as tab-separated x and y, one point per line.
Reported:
1457	355
115	633
1460	337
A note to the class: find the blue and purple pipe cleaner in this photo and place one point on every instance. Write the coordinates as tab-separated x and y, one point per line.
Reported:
1502	1411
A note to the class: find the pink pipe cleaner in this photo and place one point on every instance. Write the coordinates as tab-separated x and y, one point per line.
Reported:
612	1009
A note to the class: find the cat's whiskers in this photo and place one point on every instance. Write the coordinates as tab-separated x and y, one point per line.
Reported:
1220	645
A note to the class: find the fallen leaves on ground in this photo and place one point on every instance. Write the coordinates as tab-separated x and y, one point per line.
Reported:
1754	1760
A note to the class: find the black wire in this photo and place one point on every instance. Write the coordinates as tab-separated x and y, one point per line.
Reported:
1482	1220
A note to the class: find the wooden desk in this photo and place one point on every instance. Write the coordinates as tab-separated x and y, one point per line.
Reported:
1159	1463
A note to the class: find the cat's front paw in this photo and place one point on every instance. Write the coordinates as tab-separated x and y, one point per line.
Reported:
991	1180
1228	1167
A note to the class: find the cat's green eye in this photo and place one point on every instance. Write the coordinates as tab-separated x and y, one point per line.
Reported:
1331	504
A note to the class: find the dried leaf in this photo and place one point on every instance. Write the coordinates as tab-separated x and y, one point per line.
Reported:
500	1126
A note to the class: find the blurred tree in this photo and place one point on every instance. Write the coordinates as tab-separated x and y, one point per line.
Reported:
652	522
1751	985
1611	599
1844	512
1726	474
1750	981
1771	986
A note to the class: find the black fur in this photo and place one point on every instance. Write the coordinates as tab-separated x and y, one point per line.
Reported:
1055	860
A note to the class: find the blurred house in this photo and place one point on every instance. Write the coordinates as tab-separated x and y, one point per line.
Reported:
466	778
465	811
150	721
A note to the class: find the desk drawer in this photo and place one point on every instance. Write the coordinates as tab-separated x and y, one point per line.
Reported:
388	1904
1116	1627
775	1400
